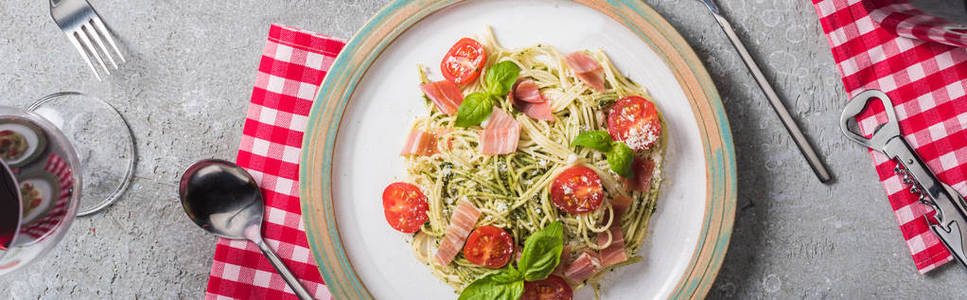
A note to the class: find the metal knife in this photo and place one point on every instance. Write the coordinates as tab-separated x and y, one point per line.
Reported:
797	136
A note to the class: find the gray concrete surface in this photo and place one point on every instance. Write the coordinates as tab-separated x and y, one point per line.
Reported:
185	91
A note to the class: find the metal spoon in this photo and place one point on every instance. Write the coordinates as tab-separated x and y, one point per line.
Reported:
225	200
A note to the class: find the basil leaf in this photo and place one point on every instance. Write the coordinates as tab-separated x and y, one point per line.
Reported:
475	109
508	275
501	77
598	140
487	288
542	252
620	158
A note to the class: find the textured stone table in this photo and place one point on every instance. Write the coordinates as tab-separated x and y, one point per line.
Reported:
186	87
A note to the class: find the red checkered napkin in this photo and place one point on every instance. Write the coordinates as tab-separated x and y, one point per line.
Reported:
926	82
906	20
292	67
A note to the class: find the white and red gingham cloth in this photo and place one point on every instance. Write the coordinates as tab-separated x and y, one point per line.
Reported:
293	65
906	20
927	83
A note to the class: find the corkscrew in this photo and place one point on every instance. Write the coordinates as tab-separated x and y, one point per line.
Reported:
950	221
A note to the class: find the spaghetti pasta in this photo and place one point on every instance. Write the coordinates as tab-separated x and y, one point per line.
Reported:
512	191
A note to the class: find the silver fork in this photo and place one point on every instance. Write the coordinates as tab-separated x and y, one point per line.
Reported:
82	25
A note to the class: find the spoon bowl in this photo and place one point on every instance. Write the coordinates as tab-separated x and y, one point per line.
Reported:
224	199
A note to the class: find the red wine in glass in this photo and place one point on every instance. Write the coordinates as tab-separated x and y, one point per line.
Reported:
9	209
44	165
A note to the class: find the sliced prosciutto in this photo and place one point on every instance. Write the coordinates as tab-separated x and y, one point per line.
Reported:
445	94
442	132
583	267
615	252
586	68
620	204
644	169
540	111
419	142
527	90
526	96
501	134
461	224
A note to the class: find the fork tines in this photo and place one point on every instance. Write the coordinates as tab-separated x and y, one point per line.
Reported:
95	30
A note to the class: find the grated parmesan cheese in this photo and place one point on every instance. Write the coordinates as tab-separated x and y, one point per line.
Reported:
571	159
501	206
640	138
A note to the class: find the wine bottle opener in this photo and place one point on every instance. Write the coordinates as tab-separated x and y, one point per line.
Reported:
950	223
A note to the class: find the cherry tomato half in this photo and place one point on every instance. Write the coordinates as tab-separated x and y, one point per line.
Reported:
463	62
577	190
489	246
405	207
634	121
551	288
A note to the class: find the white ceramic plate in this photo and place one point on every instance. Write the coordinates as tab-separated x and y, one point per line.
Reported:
381	107
388	99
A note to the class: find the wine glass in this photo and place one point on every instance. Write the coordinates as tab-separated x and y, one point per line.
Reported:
45	152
